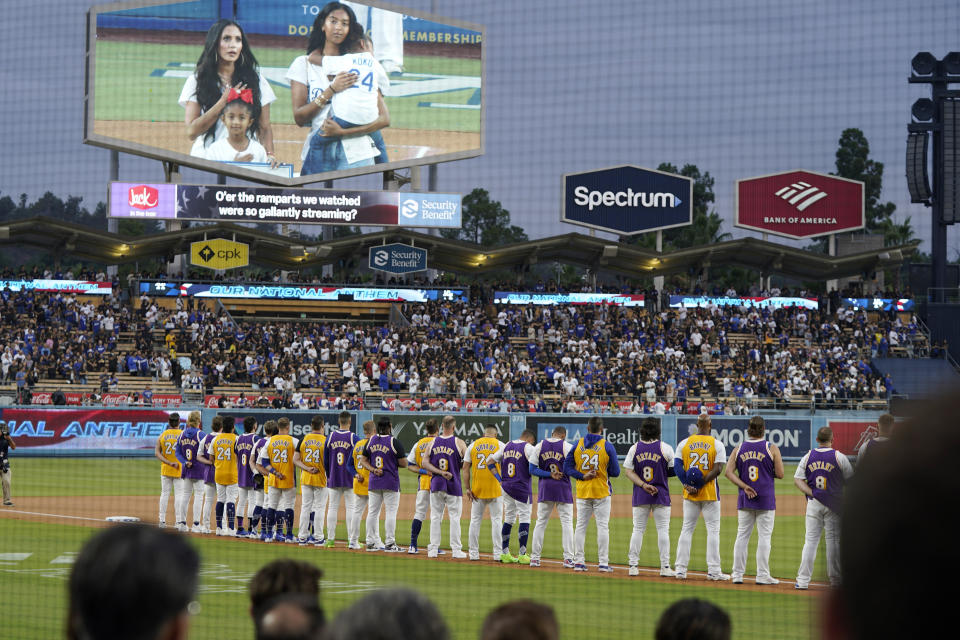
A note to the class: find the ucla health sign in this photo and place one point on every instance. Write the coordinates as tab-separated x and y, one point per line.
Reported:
627	199
398	258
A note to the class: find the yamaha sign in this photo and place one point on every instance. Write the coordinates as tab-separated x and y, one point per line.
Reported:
800	204
398	258
627	199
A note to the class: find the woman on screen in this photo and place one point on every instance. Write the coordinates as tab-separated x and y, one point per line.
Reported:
226	65
330	146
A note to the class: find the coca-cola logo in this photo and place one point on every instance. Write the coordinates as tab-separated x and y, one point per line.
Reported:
143	197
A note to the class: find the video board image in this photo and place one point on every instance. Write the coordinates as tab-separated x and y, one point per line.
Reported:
282	91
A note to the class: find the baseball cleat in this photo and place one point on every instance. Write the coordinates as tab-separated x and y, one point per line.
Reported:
718	577
374	547
797	585
162	524
329	543
474	555
266	538
289	539
279	537
767	580
253	535
392	548
205	530
736	579
680	575
356	546
303	541
603	568
579	567
431	553
221	531
568	564
506	558
633	571
412	550
459	555
196	529
534	563
523	559
667	572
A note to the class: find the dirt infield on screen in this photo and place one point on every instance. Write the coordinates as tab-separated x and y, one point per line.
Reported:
434	104
61	502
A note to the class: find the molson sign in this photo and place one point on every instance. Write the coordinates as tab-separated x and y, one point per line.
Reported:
799	204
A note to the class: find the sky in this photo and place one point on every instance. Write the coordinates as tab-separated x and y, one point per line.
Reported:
739	88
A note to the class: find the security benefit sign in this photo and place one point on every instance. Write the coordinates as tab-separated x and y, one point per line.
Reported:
792	436
799	204
627	200
398	258
219	254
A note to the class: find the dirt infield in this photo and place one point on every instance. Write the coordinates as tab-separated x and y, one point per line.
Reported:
402	144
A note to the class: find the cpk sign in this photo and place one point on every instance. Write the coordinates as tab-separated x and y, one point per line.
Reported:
800	204
627	199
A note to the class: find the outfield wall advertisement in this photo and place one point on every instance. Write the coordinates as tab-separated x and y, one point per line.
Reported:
418	93
410	427
791	436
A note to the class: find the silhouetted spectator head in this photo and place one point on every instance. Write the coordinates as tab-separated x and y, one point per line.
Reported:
292	616
390	614
693	619
282	577
896	529
520	620
132	581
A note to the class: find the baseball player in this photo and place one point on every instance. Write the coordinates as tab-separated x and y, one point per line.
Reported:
313	483
204	454
247	492
484	491
336	462
382	457
753	465
166	453
821	475
276	461
361	492
648	465
592	462
188	445
444	458
553	492
224	454
414	464
884	431
699	460
260	482
514	460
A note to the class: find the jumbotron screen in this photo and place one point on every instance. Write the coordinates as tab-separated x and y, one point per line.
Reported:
165	79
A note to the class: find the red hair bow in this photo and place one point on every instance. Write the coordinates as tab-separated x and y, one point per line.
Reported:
246	95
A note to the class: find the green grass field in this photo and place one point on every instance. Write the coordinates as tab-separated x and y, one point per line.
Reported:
128	87
589	606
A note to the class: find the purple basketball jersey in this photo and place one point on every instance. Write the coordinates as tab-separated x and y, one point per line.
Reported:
208	470
548	489
515	471
338	451
188	445
380	453
755	467
244	449
825	478
651	466
445	456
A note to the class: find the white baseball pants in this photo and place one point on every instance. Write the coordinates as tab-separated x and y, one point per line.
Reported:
598	508
454	506
661	518
514	509
746	519
820	518
390	502
692	510
353	521
334	494
495	505
167	484
544	511
313	500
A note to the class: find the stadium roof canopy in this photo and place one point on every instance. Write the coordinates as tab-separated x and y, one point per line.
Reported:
283	252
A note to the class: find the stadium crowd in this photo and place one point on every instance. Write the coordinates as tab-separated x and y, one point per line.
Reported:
452	350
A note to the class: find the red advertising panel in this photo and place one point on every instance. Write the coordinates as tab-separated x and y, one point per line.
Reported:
111	399
799	204
85	429
850	435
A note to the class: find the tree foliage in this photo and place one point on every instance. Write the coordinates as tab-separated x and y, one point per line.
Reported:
854	163
485	222
707	224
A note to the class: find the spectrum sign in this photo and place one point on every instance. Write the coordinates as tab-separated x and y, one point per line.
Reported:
627	200
799	204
